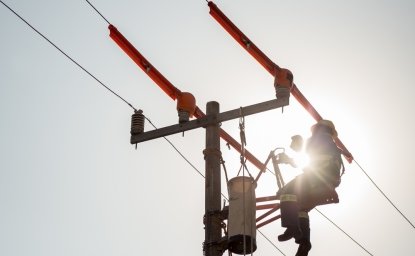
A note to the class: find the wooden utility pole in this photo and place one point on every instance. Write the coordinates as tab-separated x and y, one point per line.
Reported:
212	154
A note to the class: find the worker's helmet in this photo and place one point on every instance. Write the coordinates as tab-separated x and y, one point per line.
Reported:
325	123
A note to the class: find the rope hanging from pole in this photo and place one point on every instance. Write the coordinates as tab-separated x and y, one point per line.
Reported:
243	144
222	162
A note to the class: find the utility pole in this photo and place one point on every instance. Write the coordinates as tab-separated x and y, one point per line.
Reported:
214	244
213	232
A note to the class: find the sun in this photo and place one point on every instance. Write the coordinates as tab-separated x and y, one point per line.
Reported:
301	160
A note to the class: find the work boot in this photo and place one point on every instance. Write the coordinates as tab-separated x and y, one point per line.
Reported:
304	224
290	232
304	248
304	240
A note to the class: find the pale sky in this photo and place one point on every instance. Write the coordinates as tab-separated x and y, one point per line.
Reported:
71	183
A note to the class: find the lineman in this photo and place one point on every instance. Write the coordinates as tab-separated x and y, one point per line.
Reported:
311	188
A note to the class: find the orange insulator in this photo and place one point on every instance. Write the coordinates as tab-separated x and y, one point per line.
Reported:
186	106
283	83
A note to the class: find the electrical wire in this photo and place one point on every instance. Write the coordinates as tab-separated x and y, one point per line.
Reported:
67	56
270	242
184	157
98	12
177	150
387	198
344	232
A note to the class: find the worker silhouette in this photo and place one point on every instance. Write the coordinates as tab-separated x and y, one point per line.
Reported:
316	186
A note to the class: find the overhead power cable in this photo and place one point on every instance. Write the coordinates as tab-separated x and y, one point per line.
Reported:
98	12
271	242
67	56
178	151
344	232
185	158
387	198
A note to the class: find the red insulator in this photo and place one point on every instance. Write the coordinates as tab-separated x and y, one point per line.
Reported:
186	106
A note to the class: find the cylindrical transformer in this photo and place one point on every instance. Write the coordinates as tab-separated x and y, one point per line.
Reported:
242	219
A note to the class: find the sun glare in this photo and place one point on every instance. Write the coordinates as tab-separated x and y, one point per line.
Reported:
301	159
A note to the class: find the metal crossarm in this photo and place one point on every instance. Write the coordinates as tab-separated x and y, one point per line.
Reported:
206	120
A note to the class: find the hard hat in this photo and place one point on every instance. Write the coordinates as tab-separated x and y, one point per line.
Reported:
326	123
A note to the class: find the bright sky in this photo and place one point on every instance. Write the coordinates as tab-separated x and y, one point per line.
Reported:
71	183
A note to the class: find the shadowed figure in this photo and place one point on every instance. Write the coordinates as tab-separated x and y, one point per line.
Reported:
316	186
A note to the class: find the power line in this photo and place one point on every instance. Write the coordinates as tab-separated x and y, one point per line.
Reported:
178	151
344	232
98	12
387	198
271	242
66	55
185	158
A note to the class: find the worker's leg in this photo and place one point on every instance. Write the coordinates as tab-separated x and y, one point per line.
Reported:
304	242
289	217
